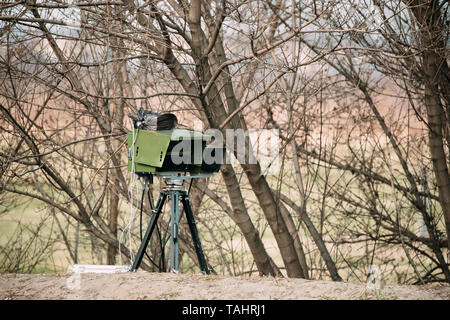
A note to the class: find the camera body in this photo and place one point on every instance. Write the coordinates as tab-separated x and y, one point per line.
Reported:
170	151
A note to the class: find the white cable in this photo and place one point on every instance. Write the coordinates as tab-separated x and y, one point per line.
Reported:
133	208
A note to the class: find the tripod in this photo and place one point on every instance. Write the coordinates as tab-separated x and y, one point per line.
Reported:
174	190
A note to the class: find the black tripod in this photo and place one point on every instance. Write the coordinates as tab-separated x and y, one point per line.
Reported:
174	189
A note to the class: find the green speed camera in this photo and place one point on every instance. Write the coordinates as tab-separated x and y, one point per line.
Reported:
157	147
175	150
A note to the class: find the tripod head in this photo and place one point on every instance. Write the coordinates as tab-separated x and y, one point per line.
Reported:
173	180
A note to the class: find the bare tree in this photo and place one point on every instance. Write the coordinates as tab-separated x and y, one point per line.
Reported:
316	71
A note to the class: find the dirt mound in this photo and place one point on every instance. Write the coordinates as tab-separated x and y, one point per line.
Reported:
144	285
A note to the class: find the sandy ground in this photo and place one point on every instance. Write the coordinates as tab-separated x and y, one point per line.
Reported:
144	285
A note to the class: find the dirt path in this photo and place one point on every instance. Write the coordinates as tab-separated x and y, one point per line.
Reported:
143	285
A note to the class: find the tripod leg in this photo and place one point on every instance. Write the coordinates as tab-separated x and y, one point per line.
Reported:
194	233
138	259
174	217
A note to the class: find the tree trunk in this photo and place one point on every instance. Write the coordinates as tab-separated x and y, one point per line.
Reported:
113	215
216	114
116	120
318	240
245	224
432	30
